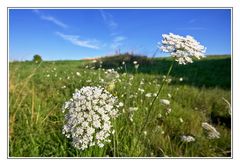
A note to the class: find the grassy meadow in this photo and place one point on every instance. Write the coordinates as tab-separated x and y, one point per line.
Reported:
197	93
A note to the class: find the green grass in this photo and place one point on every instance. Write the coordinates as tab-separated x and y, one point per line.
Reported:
36	120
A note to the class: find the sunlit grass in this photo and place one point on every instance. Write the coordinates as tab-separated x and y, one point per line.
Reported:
38	92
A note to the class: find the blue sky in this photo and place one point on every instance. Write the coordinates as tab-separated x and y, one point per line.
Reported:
58	34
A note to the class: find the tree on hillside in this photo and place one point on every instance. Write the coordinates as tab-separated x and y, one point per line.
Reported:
37	58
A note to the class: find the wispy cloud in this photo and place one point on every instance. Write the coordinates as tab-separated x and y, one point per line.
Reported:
108	19
192	28
50	18
74	39
118	41
192	21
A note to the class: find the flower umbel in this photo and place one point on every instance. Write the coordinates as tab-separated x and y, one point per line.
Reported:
181	48
88	120
187	138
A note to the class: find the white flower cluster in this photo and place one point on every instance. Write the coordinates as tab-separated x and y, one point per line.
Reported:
111	75
182	48
88	120
187	138
212	132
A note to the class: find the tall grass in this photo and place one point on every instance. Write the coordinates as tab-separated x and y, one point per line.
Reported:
37	93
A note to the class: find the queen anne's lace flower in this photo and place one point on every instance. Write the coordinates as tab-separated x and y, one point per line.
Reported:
187	138
164	101
182	49
88	120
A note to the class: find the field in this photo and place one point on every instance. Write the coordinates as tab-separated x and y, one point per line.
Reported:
198	93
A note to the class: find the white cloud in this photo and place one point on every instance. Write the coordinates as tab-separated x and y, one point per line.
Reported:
108	19
74	39
50	18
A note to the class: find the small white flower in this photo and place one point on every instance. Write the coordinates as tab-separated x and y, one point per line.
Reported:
78	74
63	87
159	115
135	62
169	110
164	101
181	120
141	90
120	104
145	132
136	66
189	138
181	79
132	109
123	63
169	95
148	95
48	75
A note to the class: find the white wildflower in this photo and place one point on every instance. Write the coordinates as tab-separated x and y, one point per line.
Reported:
78	74
88	120
145	132
133	109
148	95
120	104
168	111
212	132
188	138
111	75
136	66
141	90
164	101
180	79
135	62
181	120
123	63
48	75
169	95
131	112
181	48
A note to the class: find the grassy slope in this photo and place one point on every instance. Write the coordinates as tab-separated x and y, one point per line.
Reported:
36	120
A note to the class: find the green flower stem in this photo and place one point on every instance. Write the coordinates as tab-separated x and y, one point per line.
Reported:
159	91
114	139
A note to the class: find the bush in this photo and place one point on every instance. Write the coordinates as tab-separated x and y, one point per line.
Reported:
37	58
116	60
